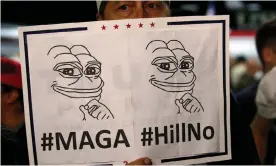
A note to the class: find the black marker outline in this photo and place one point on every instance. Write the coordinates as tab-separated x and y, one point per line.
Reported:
25	38
164	85
93	93
223	23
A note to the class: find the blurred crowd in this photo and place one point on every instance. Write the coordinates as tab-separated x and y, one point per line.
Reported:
244	72
253	88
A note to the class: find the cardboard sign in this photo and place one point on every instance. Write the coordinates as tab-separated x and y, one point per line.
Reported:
114	91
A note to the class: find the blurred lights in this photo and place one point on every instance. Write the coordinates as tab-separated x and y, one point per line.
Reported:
254	7
234	5
211	10
16	58
190	7
242	45
9	31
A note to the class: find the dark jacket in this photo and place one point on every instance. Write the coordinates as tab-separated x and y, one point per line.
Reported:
14	147
243	147
248	109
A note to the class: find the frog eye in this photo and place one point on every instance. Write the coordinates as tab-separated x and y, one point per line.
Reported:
186	64
165	65
92	70
68	70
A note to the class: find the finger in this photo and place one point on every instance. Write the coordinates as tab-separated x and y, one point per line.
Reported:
99	115
186	96
91	103
189	107
192	108
141	161
199	109
102	116
195	109
92	109
187	104
96	113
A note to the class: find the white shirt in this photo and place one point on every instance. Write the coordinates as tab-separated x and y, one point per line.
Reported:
266	95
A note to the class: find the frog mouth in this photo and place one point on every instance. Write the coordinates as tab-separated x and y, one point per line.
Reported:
173	87
78	93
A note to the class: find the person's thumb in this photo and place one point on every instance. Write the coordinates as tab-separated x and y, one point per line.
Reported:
186	96
141	161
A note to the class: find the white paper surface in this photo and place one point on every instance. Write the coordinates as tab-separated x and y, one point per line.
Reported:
107	95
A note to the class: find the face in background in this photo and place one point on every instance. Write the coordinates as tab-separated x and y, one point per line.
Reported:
116	10
8	97
252	66
77	73
265	41
269	56
12	111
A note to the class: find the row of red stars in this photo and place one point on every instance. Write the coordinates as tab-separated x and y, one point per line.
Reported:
128	26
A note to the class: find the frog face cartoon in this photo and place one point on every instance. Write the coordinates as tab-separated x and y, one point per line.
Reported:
173	66
77	72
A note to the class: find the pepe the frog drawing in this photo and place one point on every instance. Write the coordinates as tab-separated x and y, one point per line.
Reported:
79	77
175	73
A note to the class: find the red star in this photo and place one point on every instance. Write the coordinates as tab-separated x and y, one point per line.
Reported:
140	25
103	27
128	25
152	24
116	26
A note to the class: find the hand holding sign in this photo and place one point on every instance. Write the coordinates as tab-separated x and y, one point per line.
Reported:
97	110
140	161
188	103
157	72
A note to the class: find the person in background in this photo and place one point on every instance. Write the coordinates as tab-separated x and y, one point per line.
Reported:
242	143
261	126
237	72
232	65
254	69
266	106
117	10
243	73
13	135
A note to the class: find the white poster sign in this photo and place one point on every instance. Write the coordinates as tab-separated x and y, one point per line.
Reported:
114	91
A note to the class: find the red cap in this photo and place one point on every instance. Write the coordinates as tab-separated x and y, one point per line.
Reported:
11	73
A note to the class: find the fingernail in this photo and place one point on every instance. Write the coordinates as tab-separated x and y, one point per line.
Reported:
86	107
147	161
